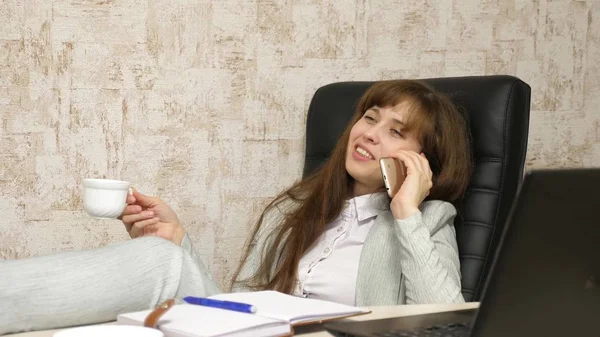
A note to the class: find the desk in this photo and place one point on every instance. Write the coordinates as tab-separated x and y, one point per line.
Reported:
377	313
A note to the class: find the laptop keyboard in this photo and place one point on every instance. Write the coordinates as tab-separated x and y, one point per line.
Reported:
447	330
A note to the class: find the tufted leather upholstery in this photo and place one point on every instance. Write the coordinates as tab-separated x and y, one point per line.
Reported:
498	108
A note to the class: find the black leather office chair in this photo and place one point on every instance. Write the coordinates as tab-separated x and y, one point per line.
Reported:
498	108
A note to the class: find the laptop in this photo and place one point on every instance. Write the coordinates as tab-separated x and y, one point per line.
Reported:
545	280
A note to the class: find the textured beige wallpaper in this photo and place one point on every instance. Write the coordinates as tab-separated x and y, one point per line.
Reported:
203	102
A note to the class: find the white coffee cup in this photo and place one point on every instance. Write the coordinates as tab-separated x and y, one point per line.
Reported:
105	198
110	331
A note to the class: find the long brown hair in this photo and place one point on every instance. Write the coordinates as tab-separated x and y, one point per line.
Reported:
319	198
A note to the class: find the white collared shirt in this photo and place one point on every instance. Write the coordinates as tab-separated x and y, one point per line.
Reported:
329	269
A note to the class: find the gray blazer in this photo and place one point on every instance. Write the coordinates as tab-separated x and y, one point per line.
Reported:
414	260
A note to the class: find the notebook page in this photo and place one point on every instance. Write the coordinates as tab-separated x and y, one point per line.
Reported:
186	320
290	308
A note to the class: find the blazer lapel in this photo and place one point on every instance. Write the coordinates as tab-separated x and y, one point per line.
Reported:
379	273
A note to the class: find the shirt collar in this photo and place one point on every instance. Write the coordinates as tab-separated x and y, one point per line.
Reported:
366	206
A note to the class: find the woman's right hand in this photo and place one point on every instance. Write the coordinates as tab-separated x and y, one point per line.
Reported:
150	216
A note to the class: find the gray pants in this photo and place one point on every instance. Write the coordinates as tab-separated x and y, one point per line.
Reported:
93	286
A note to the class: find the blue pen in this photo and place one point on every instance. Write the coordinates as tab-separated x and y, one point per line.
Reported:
227	305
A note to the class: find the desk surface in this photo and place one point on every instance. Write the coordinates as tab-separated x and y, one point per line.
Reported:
376	313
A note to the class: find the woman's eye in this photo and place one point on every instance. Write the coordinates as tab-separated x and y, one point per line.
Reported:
396	132
369	119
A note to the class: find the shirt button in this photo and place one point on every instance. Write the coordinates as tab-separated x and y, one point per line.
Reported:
340	229
326	251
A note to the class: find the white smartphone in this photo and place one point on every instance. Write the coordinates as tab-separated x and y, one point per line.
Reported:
394	173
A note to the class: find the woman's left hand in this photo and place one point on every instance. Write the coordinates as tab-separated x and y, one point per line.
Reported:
416	186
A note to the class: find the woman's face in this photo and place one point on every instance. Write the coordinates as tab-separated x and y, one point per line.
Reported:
377	134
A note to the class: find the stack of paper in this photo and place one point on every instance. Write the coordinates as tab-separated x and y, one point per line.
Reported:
276	315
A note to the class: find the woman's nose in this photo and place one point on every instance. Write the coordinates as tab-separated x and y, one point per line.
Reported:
372	135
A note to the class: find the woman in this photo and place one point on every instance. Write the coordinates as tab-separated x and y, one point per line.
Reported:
334	235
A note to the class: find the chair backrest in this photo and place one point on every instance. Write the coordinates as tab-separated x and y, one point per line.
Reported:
498	109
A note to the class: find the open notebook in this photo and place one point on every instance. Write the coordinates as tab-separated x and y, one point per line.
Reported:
276	315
